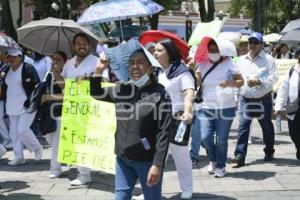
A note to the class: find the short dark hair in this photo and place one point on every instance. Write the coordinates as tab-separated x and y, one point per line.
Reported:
81	34
62	54
171	49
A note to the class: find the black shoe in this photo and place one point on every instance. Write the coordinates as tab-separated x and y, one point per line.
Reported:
195	161
269	157
238	160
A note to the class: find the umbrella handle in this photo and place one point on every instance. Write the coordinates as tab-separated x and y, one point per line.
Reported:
121	30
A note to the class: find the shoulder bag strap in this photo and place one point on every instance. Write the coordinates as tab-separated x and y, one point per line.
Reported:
211	69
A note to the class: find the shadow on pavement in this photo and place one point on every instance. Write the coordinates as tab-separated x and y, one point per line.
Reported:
278	162
202	196
10	186
30	166
21	196
252	175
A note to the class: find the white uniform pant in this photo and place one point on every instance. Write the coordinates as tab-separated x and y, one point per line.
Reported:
21	134
183	165
3	128
53	140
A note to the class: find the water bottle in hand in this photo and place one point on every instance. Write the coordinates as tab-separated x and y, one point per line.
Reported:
180	131
278	124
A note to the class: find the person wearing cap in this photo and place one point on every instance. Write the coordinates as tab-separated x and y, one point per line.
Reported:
260	72
20	79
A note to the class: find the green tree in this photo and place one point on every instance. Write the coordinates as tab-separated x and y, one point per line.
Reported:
275	14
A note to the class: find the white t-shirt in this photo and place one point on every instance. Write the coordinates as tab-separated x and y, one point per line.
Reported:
214	96
15	95
42	67
176	87
87	66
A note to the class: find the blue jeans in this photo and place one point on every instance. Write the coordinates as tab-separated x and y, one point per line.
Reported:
261	110
196	136
216	121
127	173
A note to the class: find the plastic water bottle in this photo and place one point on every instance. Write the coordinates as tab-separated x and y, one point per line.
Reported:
278	124
180	131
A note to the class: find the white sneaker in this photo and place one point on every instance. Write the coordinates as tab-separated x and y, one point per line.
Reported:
81	179
2	151
187	194
38	153
55	174
15	162
140	197
220	172
211	168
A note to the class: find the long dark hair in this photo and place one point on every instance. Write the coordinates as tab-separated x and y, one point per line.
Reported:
171	49
37	56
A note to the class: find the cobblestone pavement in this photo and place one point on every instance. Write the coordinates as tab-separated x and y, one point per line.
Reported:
279	179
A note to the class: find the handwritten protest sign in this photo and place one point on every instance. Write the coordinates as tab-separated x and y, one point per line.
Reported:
87	129
119	57
283	66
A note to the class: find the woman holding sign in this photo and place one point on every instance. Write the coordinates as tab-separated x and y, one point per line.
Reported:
58	60
143	119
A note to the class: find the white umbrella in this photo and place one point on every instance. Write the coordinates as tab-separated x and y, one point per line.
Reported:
49	35
232	36
273	37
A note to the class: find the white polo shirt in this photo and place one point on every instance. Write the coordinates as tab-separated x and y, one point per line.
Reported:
213	95
15	94
176	87
87	66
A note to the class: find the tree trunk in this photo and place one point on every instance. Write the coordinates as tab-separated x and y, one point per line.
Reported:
64	12
19	22
206	16
154	21
7	20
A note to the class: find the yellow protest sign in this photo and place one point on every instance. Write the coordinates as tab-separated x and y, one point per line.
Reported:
87	129
283	66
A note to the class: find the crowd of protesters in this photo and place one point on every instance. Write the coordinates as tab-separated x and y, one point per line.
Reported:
244	83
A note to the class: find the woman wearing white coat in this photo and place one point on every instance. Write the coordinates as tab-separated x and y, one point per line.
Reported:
288	96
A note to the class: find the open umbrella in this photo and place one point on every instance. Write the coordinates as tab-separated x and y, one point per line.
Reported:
273	37
155	36
117	10
295	24
291	38
49	35
7	43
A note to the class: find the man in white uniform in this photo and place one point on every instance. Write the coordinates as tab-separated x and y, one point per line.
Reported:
81	64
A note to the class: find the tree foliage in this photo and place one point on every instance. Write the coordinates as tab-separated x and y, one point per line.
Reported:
275	14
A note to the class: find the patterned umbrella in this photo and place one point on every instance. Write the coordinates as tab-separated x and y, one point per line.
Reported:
113	10
7	43
117	10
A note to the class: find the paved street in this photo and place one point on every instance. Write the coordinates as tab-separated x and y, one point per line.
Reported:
279	179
